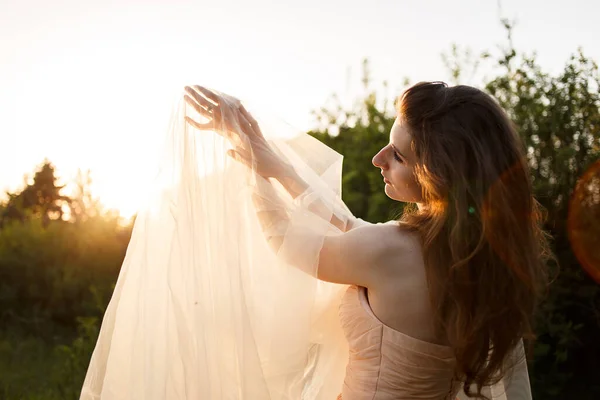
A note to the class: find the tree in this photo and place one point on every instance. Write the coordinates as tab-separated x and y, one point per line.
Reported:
558	118
41	198
83	205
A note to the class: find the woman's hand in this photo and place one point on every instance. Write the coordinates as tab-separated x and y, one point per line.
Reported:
228	117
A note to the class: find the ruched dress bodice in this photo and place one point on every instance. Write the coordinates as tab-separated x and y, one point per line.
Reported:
385	364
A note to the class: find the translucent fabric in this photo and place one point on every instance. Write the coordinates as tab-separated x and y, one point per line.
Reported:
217	297
205	307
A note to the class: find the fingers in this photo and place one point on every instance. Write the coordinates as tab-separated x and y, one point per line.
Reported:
228	116
197	91
203	108
199	109
202	105
209	94
234	137
194	94
199	126
210	105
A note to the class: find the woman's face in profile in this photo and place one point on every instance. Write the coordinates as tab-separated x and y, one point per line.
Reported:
397	161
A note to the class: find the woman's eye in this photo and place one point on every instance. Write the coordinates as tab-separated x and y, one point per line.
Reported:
397	157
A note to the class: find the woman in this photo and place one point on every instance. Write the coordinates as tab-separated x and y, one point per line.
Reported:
438	301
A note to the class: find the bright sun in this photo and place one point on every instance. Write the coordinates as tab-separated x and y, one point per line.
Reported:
101	101
103	117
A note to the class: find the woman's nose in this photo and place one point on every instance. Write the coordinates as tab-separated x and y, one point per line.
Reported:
378	160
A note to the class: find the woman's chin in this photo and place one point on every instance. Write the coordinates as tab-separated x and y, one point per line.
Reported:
390	191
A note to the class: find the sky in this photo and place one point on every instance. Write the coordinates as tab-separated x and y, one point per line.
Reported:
90	84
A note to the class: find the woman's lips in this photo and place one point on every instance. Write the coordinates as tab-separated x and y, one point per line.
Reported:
385	179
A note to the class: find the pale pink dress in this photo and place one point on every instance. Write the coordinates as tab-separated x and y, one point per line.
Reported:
385	364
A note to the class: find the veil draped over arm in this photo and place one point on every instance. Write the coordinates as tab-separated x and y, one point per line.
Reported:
217	297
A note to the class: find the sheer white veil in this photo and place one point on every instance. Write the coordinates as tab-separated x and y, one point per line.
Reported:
203	307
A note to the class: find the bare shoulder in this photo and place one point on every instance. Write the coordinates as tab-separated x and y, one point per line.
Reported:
367	255
389	237
392	246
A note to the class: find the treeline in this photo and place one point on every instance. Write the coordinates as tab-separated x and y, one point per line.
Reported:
59	260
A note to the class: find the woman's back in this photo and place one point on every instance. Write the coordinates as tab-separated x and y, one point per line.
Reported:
394	352
385	363
400	299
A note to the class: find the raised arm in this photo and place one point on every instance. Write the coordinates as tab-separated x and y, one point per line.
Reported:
228	117
307	240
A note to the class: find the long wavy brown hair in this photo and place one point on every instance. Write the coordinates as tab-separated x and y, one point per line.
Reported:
484	249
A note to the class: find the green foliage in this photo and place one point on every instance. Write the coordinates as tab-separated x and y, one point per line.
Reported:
56	278
32	368
559	121
46	272
360	134
25	363
74	358
41	198
558	118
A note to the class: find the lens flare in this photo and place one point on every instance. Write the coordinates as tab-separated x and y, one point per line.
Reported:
584	221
